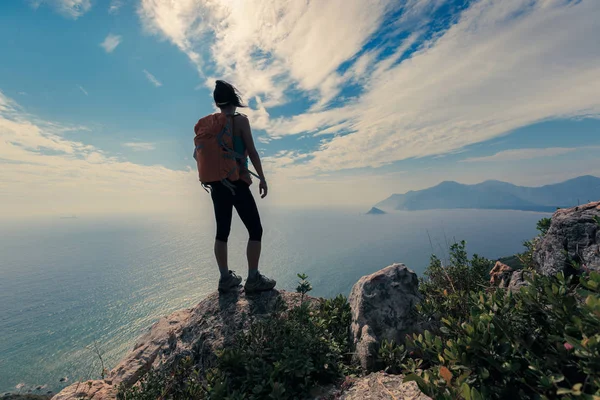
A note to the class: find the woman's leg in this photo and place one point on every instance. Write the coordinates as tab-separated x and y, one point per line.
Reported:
223	206
246	207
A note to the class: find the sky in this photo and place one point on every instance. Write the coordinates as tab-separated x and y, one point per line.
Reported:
349	100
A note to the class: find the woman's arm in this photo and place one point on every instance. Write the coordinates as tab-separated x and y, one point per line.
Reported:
253	153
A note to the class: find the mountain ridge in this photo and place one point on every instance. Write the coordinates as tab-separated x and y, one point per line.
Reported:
494	194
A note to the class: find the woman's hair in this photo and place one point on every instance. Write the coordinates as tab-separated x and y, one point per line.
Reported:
226	94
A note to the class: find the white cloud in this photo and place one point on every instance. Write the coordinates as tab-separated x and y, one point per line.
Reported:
140	146
41	172
502	66
69	8
152	79
111	42
277	44
522	154
264	139
83	90
115	6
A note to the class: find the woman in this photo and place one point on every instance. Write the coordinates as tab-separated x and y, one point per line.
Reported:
224	198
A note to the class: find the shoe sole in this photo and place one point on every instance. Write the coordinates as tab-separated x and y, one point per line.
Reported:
229	289
258	290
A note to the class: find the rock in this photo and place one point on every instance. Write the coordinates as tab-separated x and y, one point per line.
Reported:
376	211
382	306
198	332
89	390
574	235
382	386
500	275
517	280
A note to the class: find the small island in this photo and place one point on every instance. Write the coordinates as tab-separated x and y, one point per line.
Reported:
376	211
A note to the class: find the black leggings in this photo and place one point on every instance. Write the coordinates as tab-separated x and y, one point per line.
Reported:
243	201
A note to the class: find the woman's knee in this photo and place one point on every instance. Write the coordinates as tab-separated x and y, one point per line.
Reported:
256	233
222	234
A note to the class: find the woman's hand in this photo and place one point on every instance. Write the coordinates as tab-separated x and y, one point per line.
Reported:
263	189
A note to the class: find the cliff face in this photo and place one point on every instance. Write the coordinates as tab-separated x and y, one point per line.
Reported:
574	236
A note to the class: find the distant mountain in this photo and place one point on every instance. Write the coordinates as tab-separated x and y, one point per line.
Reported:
376	211
497	195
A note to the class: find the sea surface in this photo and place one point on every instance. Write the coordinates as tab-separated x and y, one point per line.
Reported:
72	288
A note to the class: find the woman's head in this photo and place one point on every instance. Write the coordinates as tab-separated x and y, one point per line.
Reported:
225	94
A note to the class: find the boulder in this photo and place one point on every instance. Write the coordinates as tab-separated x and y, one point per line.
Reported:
574	235
199	332
517	280
382	386
500	275
382	306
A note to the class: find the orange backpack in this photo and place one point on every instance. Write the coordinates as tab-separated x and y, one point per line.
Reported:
214	150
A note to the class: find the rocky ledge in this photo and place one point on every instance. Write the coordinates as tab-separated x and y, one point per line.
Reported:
201	330
381	306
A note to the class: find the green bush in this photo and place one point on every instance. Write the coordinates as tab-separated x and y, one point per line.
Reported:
446	288
286	355
543	225
282	356
486	343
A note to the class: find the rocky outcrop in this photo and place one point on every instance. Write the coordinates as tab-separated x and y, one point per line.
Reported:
518	280
500	275
574	235
89	390
503	276
382	386
197	332
382	307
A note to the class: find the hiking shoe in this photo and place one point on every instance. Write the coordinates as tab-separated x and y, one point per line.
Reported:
229	282
259	283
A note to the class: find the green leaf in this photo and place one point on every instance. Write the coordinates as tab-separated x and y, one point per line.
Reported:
475	395
485	373
564	391
465	391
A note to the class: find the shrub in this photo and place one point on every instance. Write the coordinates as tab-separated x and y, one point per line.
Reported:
487	343
543	225
287	354
446	289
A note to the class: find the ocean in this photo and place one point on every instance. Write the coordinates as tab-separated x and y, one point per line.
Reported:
71	288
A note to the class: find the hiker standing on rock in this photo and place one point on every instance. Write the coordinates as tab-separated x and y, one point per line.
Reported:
223	145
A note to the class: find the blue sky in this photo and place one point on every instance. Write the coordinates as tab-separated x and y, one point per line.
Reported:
350	100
